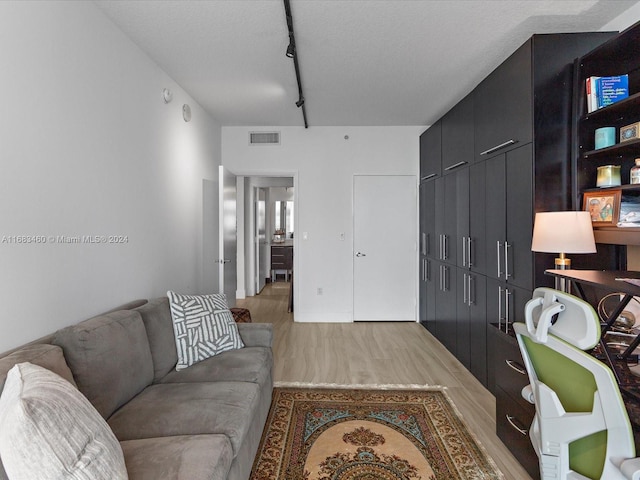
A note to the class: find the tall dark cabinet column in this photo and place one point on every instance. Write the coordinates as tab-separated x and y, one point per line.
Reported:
504	154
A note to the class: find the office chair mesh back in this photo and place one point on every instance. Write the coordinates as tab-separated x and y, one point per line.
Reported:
581	429
575	387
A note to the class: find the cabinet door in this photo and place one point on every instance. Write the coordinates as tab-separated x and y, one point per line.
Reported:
445	219
431	152
463	338
446	327
476	246
428	295
450	222
477	298
519	258
462	217
504	106
428	219
496	214
457	135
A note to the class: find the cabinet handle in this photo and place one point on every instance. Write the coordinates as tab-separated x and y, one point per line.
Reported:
427	177
498	257
512	421
427	264
506	261
469	262
517	366
464	251
451	167
498	147
464	290
499	308
441	279
423	246
472	296
427	245
507	310
445	247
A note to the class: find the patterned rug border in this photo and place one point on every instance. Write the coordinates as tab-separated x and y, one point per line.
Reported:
440	388
361	386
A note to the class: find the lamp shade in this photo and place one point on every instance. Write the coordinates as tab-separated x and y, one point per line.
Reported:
563	232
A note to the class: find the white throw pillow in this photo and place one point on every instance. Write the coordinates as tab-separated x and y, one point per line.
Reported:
49	430
203	327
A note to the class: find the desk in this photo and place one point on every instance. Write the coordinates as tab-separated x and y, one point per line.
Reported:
606	279
629	382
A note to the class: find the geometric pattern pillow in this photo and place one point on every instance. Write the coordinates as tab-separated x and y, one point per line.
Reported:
49	430
203	327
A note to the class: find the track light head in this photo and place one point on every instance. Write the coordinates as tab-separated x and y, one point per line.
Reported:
291	50
300	102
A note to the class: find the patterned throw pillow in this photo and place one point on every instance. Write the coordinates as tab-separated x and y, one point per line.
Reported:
49	430
203	327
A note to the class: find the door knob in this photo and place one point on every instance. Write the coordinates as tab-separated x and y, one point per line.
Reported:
360	254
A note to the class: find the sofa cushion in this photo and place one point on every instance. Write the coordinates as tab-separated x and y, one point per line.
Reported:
249	364
189	409
110	358
49	430
183	457
156	316
45	355
42	354
203	327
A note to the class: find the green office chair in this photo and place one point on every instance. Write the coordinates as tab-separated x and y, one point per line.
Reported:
581	429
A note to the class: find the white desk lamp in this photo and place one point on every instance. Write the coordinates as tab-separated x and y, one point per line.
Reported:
562	233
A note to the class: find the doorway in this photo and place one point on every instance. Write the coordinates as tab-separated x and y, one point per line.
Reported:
269	218
384	247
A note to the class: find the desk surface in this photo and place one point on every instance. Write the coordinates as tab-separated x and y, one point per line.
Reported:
601	278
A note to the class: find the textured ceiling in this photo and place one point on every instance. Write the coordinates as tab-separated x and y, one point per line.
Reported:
362	62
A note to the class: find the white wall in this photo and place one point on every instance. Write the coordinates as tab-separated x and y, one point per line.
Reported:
88	147
324	163
624	20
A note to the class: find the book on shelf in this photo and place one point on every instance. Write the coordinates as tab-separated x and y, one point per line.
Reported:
604	91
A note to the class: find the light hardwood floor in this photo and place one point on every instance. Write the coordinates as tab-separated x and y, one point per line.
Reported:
373	353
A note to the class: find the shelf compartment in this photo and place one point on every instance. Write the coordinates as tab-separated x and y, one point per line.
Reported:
630	147
617	111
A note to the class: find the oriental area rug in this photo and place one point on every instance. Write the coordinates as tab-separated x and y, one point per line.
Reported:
354	434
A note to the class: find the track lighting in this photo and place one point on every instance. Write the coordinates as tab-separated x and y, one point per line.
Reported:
293	53
291	50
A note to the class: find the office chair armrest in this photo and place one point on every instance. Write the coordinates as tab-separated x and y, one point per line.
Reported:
527	394
631	468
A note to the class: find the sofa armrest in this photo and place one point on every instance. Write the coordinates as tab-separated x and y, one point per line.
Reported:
256	334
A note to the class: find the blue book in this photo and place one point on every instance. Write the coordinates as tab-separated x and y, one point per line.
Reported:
612	89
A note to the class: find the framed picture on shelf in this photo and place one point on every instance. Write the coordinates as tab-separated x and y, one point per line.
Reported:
603	206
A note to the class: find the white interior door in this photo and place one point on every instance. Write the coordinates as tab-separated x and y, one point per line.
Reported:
228	230
384	241
210	236
261	239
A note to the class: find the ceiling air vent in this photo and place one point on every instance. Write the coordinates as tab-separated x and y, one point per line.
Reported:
264	138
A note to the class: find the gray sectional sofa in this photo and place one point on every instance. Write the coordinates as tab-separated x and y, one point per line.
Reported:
203	422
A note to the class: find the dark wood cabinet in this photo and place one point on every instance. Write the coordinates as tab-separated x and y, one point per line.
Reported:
471	347
497	157
503	106
513	413
458	135
446	201
445	303
431	152
476	246
281	259
509	221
